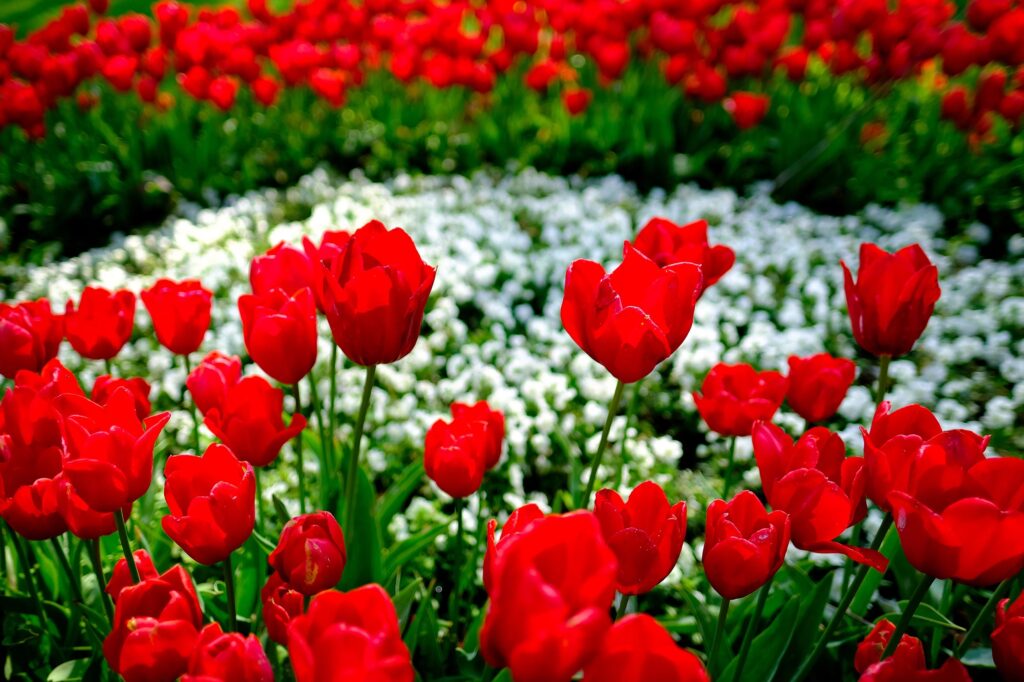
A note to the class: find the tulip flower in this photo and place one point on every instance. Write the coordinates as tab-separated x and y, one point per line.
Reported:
180	313
156	626
281	603
733	397
517	521
310	555
210	381
101	324
892	299
551	587
746	108
53	380
645	533
631	319
332	245
638	648
1008	639
282	267
817	385
212	503
455	455
820	488
905	664
82	520
576	100
227	656
30	335
121	577
665	243
744	545
375	293
495	420
280	332
105	385
362	622
250	423
912	420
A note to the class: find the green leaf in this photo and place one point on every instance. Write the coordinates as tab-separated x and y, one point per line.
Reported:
699	612
282	512
364	557
927	615
978	658
866	593
410	548
770	646
404	600
394	498
265	543
808	627
69	670
422	640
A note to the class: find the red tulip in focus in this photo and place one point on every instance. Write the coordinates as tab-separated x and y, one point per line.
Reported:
30	335
645	533
374	293
281	603
744	545
551	586
820	488
211	380
906	664
351	636
912	420
638	648
101	324
517	521
180	312
212	503
818	384
892	299
746	108
310	555
665	243
632	318
1008	639
733	397
280	332
121	577
456	454
105	385
249	421
156	626
227	656
282	267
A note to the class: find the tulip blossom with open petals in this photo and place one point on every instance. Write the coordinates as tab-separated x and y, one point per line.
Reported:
280	332
121	577
744	545
892	298
633	318
665	242
912	420
282	267
733	397
249	421
636	649
517	521
817	385
101	323
30	335
180	312
220	655
105	385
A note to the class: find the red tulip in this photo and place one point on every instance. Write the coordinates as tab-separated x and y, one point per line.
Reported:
631	319
551	586
282	267
744	545
53	380
30	335
746	108
352	636
736	396
310	555
249	421
576	100
156	626
102	323
180	312
211	380
332	244
517	521
645	533
665	243
121	577
638	648
909	652
1008	639
456	454
906	664
222	91
212	503
110	451
375	293
818	384
280	332
265	90
495	420
892	299
281	603
820	488
120	70
105	386
912	420
227	656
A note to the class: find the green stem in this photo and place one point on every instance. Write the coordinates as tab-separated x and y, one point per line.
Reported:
122	534
192	404
351	490
613	409
26	568
982	617
723	613
457	565
229	583
299	453
62	559
844	605
755	621
727	482
324	458
331	401
883	378
97	567
623	606
108	367
920	592
630	412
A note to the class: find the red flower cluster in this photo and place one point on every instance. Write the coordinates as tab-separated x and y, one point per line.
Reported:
458	453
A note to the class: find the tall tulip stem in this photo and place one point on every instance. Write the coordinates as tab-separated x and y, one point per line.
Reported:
613	409
192	405
122	534
26	567
324	449
920	592
458	563
982	618
62	559
351	490
755	621
108	368
96	560
229	584
299	453
331	399
623	606
727	481
883	378
716	643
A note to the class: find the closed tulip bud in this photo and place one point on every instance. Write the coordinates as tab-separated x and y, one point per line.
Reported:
638	647
280	332
281	603
633	318
744	545
820	488
456	454
227	656
892	299
180	313
210	381
733	397
30	335
1008	639
645	532
495	420
665	243
374	293
121	577
322	641
105	386
310	555
212	503
101	324
817	385
560	572
249	421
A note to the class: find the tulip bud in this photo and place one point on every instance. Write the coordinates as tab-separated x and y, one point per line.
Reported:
310	556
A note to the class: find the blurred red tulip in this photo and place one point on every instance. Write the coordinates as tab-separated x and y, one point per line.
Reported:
746	108
817	385
1008	639
638	647
30	335
733	397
